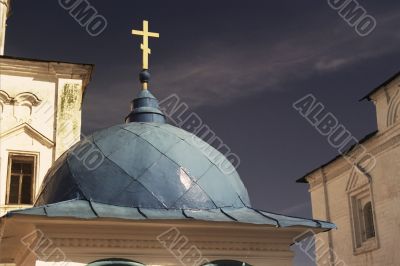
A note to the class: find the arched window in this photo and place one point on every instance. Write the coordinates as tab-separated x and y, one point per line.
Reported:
365	234
368	221
227	263
114	262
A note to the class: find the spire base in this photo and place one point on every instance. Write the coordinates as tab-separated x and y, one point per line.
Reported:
145	108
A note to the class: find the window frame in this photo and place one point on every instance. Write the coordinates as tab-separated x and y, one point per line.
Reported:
370	219
358	198
20	154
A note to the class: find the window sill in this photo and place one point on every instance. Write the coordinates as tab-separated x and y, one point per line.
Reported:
367	246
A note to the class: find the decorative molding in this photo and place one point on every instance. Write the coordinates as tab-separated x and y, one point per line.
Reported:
389	144
393	110
27	99
28	129
96	239
4	97
155	244
375	146
357	179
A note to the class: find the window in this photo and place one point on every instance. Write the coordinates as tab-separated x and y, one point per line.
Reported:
363	221
368	221
21	179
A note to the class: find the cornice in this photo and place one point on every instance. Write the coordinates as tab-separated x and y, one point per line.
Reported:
377	145
52	69
156	245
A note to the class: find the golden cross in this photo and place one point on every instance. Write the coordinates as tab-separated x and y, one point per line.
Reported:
145	45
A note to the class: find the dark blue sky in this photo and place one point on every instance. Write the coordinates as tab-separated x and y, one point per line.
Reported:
238	64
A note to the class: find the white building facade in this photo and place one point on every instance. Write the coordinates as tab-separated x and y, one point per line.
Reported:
40	117
362	197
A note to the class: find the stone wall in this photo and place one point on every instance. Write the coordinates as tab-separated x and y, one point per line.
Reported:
333	186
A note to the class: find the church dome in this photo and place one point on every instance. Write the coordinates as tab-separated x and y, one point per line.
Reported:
145	165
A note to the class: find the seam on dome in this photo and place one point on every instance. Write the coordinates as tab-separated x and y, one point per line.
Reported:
139	136
44	210
122	126
213	163
164	154
230	217
278	224
233	189
201	151
170	148
133	178
93	210
163	127
184	214
46	182
144	171
79	187
191	189
142	213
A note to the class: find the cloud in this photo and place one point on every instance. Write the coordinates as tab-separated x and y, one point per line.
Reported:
224	72
216	71
296	209
325	65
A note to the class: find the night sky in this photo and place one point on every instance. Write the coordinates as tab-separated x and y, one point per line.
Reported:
239	65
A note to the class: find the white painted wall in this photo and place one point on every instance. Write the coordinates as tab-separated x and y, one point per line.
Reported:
40	108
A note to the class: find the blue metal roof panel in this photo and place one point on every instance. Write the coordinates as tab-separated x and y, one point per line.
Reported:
247	215
111	139
74	208
287	221
40	211
326	225
109	211
163	214
160	139
135	156
219	188
139	128
208	215
145	165
90	210
182	134
196	164
195	196
165	187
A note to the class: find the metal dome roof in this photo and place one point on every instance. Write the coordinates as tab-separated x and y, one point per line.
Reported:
150	170
144	165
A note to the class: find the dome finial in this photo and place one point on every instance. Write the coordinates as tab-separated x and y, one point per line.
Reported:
145	106
145	74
